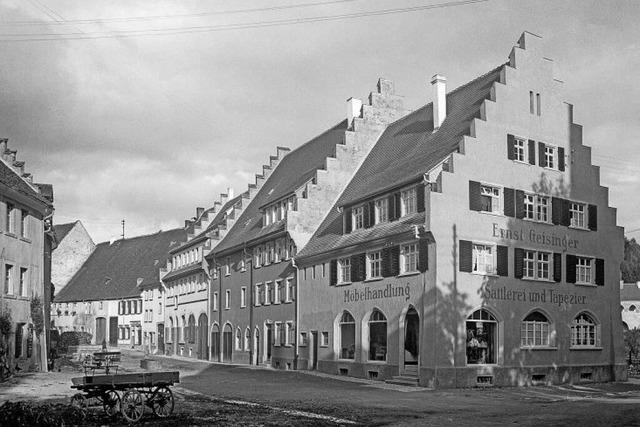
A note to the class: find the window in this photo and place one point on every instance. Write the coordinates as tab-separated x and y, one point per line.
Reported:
347	336
238	339
344	270
536	207
247	339
227	267
377	336
482	258
24	230
243	297
277	292
534	330
8	275
536	265
258	256
490	199
584	270
257	294
227	299
538	104
160	308
519	150
281	336
358	217
215	301
578	215
409	258
303	339
408	201
531	103
291	290
9	218
550	156
268	289
584	332
291	333
324	339
242	266
374	265
481	338
382	210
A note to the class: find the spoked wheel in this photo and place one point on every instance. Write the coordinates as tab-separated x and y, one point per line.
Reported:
132	406
79	401
111	403
162	402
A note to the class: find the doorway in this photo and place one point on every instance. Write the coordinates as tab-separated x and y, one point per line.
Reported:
113	331
203	345
101	330
227	340
215	343
256	345
314	339
160	330
269	341
411	341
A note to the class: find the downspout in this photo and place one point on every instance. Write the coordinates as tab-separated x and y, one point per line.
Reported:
220	328
296	315
250	290
427	224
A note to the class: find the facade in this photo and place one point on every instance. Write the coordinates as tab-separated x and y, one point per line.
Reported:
104	298
630	305
74	245
153	304
26	242
474	246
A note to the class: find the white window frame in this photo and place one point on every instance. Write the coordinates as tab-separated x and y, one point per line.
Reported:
227	299
578	214
374	265
535	333
533	262
290	289
537	207
288	330
520	150
303	339
243	297
227	267
357	217
256	300
408	201
267	293
585	270
409	258
324	339
344	270
381	210
494	192
551	156
584	333
480	260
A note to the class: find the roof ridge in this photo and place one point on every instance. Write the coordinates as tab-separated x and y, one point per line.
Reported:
128	239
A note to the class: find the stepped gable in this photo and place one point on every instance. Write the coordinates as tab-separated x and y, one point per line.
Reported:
12	175
208	221
406	150
61	230
293	171
113	269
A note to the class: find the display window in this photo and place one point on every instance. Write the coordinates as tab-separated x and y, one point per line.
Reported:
347	336
377	336
482	329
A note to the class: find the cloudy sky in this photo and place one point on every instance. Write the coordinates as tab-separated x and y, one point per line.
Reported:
193	96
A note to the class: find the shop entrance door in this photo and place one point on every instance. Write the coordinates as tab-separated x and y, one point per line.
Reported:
256	345
203	345
215	343
227	338
314	339
411	342
269	340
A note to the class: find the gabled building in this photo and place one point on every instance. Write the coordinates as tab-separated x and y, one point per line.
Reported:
104	298
474	246
630	305
26	242
73	247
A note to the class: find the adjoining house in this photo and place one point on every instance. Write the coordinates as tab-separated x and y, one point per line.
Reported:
74	245
26	242
630	305
104	298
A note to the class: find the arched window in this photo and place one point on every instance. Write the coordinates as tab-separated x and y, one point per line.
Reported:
534	330
191	330
170	335
632	307
238	339
584	331
247	339
377	336
347	336
481	338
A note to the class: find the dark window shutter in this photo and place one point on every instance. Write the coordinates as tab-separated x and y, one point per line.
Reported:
519	204
358	267
566	213
465	256
557	210
372	214
474	196
599	272
394	260
532	152
542	160
396	205
347	221
509	202
593	217
557	267
503	260
571	268
420	197
386	262
561	158
365	216
333	272
511	147
391	201
518	264
423	255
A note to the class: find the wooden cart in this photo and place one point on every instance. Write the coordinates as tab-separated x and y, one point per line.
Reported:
128	394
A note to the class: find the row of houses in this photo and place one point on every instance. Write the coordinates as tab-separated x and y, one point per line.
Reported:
466	242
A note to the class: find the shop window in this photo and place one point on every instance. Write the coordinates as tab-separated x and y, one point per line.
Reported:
534	330
481	338
377	336
347	336
585	332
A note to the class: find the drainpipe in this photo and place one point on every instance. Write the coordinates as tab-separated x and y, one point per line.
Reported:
296	315
250	290
427	200
220	328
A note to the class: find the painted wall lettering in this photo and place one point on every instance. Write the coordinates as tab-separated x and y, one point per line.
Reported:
544	296
366	294
533	236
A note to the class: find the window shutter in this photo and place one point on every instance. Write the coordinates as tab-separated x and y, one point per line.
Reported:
503	260
510	147
423	255
372	213
519	204
542	160
365	216
347	221
333	272
557	267
571	268
358	267
465	255
532	152
566	213
593	217
509	202
474	196
557	210
396	205
561	158
391	201
386	262
420	197
394	258
518	264
599	272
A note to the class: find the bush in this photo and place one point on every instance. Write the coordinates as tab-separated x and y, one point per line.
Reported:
29	414
68	338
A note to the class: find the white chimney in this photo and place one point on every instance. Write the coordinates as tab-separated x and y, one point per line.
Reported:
439	100
229	193
354	106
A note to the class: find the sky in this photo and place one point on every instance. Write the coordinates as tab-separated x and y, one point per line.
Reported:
192	97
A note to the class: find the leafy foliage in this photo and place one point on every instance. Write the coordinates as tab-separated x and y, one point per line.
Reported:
37	316
68	338
631	263
33	414
632	344
5	322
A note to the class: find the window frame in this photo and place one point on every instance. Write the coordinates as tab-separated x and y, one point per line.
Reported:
551	156
584	331
357	217
381	208
573	208
374	265
536	264
474	258
408	201
534	200
535	327
520	149
344	270
587	269
404	254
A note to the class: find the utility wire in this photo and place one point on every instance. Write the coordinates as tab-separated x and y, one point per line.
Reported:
30	37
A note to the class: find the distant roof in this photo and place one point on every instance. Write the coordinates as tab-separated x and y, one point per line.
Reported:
113	269
295	168
61	230
11	179
630	292
407	149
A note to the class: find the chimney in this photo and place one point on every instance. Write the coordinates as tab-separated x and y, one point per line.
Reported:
230	193
439	100
199	212
354	106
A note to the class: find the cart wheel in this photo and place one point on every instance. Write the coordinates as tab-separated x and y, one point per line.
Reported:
111	403
79	401
132	405
162	402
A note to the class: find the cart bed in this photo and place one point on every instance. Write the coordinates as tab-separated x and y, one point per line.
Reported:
139	379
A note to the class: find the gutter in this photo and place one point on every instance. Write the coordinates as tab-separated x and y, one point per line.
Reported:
296	317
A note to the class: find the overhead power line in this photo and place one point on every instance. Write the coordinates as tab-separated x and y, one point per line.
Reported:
31	37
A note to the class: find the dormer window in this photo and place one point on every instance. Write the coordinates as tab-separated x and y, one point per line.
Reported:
358	217
408	201
382	210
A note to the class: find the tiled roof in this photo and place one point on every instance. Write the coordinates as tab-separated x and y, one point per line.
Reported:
407	149
113	269
296	168
182	272
12	180
61	230
630	292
